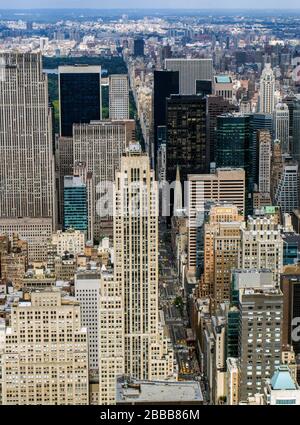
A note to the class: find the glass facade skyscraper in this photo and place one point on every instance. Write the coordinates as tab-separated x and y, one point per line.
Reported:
75	204
187	146
234	147
165	84
80	96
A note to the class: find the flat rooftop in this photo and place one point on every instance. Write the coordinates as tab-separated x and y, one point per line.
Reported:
143	392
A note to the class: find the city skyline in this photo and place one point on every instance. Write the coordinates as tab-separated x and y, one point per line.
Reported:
150	206
155	4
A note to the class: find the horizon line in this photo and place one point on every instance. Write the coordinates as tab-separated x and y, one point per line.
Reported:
151	8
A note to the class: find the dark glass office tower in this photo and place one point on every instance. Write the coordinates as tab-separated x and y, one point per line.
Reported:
203	87
165	84
234	142
215	106
186	136
138	47
80	96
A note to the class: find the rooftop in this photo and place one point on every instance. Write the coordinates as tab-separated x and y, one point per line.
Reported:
158	391
223	79
282	379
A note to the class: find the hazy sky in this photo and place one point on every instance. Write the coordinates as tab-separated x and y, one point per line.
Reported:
197	4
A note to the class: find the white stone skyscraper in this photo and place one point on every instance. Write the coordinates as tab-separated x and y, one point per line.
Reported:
26	145
148	354
267	90
281	122
118	97
262	246
45	352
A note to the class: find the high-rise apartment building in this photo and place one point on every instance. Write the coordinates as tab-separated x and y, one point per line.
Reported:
281	121
118	97
45	358
262	246
87	292
190	70
26	145
111	338
286	188
225	185
222	236
147	351
267	90
259	338
79	96
35	231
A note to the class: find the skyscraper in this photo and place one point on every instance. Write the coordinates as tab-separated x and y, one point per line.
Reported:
290	286
75	204
286	194
222	236
190	70
186	136
138	47
34	373
165	83
281	122
295	141
79	96
87	292
225	185
267	90
111	337
26	150
215	106
147	352
100	146
118	97
259	337
262	246
265	153
233	149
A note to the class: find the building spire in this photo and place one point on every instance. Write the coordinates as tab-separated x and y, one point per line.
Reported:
177	194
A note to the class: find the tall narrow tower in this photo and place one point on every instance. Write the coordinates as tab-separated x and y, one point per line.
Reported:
148	354
26	148
281	121
118	97
267	90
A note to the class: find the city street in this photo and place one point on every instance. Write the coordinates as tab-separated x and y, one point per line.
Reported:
172	303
